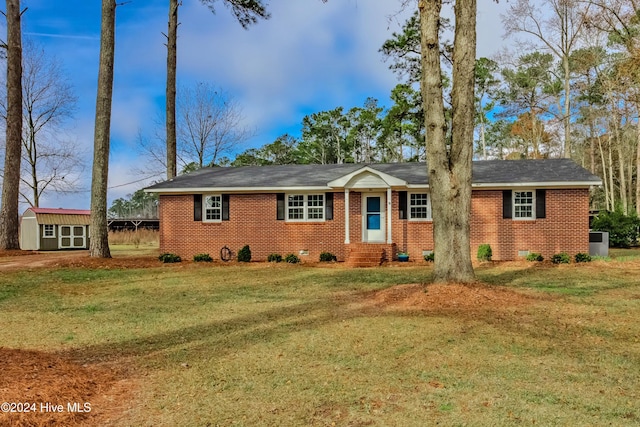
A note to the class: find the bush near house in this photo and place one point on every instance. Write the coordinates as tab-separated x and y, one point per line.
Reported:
561	258
582	257
244	254
327	257
430	257
274	258
202	258
291	259
484	252
622	229
535	257
168	258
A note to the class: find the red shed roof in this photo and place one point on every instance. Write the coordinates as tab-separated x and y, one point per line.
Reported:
60	211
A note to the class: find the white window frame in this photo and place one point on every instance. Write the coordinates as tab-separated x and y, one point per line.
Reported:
52	235
410	205
532	204
206	208
307	206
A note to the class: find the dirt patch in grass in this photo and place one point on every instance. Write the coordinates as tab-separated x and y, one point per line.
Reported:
444	297
48	390
16	260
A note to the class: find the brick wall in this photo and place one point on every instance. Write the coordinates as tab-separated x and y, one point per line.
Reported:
253	222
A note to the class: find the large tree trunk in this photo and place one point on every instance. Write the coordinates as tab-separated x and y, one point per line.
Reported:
9	223
172	55
450	167
638	162
99	246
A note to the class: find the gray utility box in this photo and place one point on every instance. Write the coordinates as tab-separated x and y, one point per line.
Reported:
598	243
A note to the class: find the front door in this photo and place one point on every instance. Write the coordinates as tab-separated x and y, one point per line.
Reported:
373	217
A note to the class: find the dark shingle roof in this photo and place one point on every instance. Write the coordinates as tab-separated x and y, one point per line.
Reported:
488	172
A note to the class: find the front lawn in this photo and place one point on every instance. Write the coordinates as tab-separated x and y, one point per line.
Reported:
290	345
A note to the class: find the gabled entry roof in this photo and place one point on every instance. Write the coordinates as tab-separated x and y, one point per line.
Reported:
486	174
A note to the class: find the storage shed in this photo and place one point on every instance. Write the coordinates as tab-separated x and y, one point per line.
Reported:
47	229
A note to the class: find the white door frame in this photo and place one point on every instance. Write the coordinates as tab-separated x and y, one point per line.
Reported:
380	235
72	237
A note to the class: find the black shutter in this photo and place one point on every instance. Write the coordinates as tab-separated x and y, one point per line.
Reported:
541	204
328	206
506	204
403	204
225	207
197	207
280	209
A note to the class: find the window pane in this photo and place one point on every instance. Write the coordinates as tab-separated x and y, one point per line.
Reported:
419	199
295	201
373	204
523	204
373	221
419	206
213	208
419	212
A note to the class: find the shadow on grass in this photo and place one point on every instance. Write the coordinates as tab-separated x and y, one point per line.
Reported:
218	338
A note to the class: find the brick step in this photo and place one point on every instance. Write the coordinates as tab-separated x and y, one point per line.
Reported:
365	256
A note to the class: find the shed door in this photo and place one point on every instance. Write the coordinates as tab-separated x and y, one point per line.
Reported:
72	236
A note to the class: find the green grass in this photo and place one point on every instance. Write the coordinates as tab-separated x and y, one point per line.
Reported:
274	345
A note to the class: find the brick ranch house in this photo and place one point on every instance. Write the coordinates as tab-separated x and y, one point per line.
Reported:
356	210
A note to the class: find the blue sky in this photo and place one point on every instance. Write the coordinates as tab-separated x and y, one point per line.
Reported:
310	56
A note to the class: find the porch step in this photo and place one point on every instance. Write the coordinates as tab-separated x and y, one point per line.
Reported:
368	255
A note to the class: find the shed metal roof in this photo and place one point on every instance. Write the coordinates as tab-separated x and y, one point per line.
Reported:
486	173
59	216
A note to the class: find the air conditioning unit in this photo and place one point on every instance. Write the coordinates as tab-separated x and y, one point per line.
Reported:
598	243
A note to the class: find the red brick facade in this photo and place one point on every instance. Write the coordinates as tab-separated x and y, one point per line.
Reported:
252	221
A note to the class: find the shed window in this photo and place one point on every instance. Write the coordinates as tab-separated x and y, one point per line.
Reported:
49	230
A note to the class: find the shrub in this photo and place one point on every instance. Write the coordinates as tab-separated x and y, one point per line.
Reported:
484	252
430	257
582	257
327	257
274	258
244	254
561	258
533	256
169	258
291	259
202	258
623	229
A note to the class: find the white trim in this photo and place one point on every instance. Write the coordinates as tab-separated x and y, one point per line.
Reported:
389	179
44	232
363	213
389	216
72	236
236	190
533	204
398	184
429	217
204	207
551	184
347	239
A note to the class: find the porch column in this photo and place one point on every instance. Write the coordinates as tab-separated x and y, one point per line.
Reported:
346	216
389	239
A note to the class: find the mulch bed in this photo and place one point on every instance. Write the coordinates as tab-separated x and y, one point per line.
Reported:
35	384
